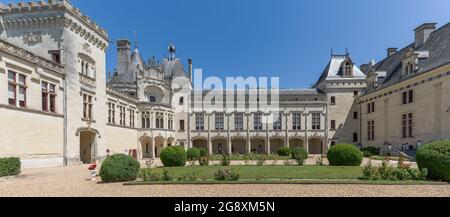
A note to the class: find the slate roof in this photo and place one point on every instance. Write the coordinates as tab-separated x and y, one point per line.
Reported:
438	46
333	70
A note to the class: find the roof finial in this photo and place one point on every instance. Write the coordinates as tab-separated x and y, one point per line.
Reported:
172	51
136	43
332	53
346	52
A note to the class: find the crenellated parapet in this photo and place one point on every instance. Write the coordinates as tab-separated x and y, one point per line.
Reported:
29	56
37	15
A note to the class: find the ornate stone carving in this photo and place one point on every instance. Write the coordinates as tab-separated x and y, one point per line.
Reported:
32	38
87	48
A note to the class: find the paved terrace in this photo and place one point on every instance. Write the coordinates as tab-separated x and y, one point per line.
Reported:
73	181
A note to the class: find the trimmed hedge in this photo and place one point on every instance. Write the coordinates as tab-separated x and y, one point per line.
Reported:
193	154
299	154
344	155
174	156
10	166
370	151
119	168
284	151
435	157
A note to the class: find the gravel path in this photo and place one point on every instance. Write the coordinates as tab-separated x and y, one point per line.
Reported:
72	181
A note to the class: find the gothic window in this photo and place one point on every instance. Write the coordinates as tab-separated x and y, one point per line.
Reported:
219	121
296	121
239	121
371	130
87	106
48	97
278	121
200	122
257	121
131	117
408	125
111	113
17	84
316	119
408	97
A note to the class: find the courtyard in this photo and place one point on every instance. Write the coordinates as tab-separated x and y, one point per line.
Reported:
73	182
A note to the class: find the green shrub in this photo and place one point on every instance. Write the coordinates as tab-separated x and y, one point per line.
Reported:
167	176
119	168
226	175
435	157
225	161
284	151
150	175
10	166
193	154
188	177
173	156
203	152
344	155
370	151
388	173
300	155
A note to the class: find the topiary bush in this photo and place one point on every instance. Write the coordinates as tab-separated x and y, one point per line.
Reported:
299	154
173	156
119	168
435	157
10	166
344	155
284	151
193	154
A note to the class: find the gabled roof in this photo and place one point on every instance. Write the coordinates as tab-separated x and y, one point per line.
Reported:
333	70
438	47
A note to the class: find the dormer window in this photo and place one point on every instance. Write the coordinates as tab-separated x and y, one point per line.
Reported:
348	69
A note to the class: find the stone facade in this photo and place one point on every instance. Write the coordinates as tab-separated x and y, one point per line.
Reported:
58	106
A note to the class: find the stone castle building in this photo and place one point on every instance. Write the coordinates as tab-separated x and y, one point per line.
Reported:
58	106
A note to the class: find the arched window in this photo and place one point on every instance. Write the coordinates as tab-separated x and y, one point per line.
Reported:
147	124
181	100
143	123
157	123
410	68
152	99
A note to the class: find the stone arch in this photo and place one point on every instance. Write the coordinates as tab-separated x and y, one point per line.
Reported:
239	145
315	146
147	147
296	142
159	144
219	145
258	145
200	142
154	94
275	144
88	147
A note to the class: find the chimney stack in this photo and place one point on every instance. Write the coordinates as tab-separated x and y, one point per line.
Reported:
391	51
423	32
190	69
123	55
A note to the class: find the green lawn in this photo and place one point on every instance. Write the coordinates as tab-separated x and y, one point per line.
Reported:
270	172
392	158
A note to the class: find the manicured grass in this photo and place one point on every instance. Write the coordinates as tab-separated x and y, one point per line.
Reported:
270	172
381	158
249	157
288	182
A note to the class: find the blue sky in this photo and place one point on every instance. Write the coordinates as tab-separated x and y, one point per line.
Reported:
290	39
